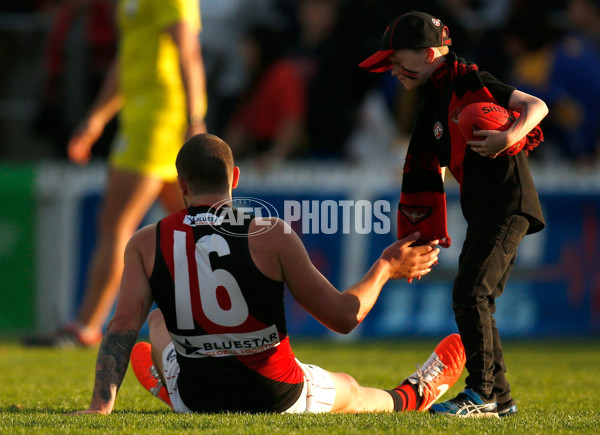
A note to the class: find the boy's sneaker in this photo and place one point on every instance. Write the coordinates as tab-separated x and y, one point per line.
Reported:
440	371
507	409
145	372
467	404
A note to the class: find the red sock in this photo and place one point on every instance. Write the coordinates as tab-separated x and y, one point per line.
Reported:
405	397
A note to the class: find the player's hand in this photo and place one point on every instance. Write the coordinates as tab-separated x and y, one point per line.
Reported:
80	146
406	261
96	407
492	144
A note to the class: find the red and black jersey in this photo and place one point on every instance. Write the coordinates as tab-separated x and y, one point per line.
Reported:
226	318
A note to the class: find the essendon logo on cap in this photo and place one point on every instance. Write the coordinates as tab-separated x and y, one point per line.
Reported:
436	22
415	213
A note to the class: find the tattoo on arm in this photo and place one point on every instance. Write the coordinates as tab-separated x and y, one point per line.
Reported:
112	362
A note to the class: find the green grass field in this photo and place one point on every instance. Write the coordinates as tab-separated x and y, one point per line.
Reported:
556	384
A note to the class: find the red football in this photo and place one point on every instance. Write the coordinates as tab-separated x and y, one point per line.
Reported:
487	116
483	116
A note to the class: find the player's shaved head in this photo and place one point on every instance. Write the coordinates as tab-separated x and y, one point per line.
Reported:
206	163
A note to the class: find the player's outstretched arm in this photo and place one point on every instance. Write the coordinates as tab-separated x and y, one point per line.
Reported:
343	311
398	260
133	306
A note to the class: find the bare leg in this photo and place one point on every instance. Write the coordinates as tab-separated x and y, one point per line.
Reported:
352	397
127	199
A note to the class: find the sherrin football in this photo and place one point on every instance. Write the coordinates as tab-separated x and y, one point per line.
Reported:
487	116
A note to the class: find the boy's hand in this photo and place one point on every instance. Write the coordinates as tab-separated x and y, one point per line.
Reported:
493	142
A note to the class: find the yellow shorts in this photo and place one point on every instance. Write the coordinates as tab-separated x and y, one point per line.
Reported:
149	141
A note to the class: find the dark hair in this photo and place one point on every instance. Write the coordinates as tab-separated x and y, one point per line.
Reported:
206	163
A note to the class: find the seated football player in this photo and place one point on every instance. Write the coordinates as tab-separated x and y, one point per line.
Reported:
218	340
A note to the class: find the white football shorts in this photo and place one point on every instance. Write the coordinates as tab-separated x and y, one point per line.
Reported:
171	374
318	391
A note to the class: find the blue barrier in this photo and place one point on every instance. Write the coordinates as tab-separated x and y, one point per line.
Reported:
554	289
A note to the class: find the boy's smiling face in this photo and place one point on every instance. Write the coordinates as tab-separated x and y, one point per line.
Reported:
411	67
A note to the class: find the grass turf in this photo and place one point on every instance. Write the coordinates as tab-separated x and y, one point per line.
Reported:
556	384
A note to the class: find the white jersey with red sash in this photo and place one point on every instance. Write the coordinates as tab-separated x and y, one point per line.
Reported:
226	318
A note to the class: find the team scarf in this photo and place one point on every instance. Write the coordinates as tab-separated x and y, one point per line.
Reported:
422	204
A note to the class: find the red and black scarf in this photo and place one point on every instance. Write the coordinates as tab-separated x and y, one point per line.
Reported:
423	201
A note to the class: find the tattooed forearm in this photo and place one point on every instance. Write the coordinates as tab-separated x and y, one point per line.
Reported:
113	358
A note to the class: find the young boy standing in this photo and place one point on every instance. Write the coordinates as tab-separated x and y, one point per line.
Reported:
497	194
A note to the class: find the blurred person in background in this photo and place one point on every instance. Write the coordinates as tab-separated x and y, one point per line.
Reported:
80	49
480	24
584	19
322	56
267	126
157	85
225	24
561	66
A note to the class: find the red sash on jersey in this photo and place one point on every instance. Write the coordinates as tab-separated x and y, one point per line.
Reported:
277	363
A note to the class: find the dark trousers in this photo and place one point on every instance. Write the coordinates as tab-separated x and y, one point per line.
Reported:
487	257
